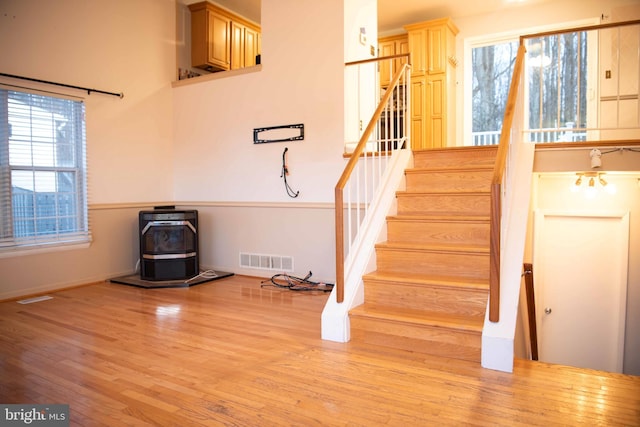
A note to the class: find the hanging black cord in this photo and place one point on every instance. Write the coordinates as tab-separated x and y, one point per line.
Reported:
285	172
284	281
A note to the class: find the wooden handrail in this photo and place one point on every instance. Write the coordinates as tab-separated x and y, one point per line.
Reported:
579	29
496	188
346	174
531	309
379	59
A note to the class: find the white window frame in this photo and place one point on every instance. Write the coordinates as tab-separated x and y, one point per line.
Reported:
80	237
490	39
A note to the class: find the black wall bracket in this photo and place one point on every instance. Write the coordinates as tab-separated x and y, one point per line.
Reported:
278	133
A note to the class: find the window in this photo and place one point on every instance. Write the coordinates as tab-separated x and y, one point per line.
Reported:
492	72
558	79
42	171
557	76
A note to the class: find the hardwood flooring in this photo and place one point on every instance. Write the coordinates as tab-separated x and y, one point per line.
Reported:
232	353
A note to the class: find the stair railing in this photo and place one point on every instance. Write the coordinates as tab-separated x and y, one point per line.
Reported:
531	309
386	132
497	186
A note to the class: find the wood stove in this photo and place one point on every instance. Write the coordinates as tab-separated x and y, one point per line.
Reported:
168	244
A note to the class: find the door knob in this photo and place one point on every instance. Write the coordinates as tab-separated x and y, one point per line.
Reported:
547	310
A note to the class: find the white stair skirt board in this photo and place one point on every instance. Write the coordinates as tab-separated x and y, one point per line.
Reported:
335	317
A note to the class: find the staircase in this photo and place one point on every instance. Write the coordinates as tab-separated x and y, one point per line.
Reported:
430	290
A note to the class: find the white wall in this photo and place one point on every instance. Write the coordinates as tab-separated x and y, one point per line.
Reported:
301	231
552	192
361	81
300	82
118	46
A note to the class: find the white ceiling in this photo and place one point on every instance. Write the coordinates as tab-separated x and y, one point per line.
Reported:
393	14
249	9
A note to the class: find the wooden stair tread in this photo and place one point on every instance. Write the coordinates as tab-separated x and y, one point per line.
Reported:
439	218
457	148
442	193
420	317
432	247
441	169
421	279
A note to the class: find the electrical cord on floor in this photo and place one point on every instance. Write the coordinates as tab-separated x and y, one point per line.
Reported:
285	281
208	274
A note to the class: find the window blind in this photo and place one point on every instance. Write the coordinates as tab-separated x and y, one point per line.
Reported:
43	187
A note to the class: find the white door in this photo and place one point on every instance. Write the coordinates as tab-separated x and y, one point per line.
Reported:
580	276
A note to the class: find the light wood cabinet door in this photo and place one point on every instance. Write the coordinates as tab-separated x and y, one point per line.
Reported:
417	42
390	46
237	45
436	41
245	45
387	48
251	46
402	46
210	38
219	40
436	118
417	113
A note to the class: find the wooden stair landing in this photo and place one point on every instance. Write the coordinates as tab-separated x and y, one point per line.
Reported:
430	290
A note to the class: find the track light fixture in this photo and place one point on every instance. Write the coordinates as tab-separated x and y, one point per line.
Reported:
592	178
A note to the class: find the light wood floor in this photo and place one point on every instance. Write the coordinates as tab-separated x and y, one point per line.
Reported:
232	353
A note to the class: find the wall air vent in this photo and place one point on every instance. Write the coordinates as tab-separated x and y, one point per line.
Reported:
266	262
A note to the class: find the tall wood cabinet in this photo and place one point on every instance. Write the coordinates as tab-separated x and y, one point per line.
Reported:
221	40
432	46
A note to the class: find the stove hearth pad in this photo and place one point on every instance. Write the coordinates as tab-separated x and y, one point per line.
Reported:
135	280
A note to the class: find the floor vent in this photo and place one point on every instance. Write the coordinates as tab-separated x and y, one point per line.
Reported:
266	262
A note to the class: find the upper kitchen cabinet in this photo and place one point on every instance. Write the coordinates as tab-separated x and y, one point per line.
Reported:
222	40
